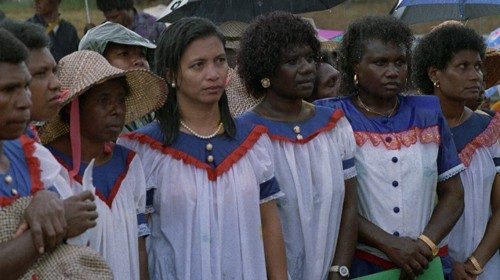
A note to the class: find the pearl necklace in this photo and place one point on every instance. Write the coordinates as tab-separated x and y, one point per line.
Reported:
368	109
219	127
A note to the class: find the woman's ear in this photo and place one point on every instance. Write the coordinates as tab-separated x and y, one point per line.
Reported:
432	73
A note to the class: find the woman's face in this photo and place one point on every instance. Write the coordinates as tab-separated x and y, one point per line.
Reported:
202	72
383	69
296	74
462	78
327	82
102	113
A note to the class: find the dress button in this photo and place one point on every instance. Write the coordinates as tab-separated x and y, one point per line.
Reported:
296	129
396	209
394	159
210	158
395	183
299	137
388	139
396	233
14	192
209	147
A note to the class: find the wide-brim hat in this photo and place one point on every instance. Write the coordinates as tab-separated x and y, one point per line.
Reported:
65	262
238	98
81	70
492	67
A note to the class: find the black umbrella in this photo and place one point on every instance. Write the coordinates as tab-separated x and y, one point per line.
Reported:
240	10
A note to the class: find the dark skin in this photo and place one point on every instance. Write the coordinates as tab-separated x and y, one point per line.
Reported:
102	117
382	74
284	101
461	82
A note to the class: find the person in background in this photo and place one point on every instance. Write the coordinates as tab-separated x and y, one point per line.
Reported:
27	170
44	86
124	13
63	36
210	178
100	99
313	147
448	64
410	192
122	48
327	78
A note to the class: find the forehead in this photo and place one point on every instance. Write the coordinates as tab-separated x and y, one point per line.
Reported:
296	50
114	86
115	47
466	55
203	47
376	48
40	58
13	73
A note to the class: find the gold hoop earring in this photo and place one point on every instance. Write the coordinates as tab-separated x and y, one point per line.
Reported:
436	84
265	82
356	82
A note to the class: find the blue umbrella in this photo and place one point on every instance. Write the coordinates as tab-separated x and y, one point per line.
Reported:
418	11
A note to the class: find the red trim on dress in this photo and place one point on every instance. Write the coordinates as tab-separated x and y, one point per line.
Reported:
334	118
485	139
34	169
396	140
385	264
212	173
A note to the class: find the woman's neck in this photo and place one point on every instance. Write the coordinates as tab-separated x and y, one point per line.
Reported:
377	103
454	111
284	109
89	149
201	118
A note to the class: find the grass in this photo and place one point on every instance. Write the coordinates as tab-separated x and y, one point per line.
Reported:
336	18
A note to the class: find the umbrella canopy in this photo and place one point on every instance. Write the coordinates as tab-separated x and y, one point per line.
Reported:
240	10
418	11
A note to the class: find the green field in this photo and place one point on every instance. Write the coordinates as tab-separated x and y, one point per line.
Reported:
337	18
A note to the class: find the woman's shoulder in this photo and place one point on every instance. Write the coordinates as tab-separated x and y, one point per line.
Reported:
428	102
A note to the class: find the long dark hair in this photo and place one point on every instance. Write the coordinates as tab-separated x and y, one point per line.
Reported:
170	48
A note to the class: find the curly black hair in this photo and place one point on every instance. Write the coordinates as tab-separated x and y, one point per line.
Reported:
263	43
438	47
384	28
11	49
109	5
30	34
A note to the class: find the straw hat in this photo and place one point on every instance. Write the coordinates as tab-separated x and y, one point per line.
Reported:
492	67
239	99
81	70
65	262
232	30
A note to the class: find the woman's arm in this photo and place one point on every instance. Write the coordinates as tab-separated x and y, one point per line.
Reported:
143	259
348	233
17	255
274	246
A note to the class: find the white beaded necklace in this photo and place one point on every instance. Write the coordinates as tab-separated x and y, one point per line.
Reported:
219	127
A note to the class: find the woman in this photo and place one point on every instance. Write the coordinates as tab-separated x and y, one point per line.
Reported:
405	153
448	64
101	100
313	147
327	78
206	173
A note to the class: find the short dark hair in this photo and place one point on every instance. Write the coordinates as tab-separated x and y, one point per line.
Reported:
327	57
438	47
11	49
384	28
30	34
263	42
109	5
171	46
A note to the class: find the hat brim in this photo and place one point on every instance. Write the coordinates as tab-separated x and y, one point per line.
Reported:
492	67
147	93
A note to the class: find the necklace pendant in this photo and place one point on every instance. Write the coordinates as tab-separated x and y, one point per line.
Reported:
8	179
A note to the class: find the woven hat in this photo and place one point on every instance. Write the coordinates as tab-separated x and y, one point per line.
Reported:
238	98
65	262
81	70
232	31
97	38
492	67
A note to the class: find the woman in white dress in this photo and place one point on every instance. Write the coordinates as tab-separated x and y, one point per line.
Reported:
100	100
210	179
313	147
448	64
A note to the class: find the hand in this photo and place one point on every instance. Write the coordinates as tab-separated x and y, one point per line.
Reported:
80	212
410	255
460	272
45	217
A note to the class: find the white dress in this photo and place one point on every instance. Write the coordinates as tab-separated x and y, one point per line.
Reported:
311	169
477	141
399	161
205	221
121	198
